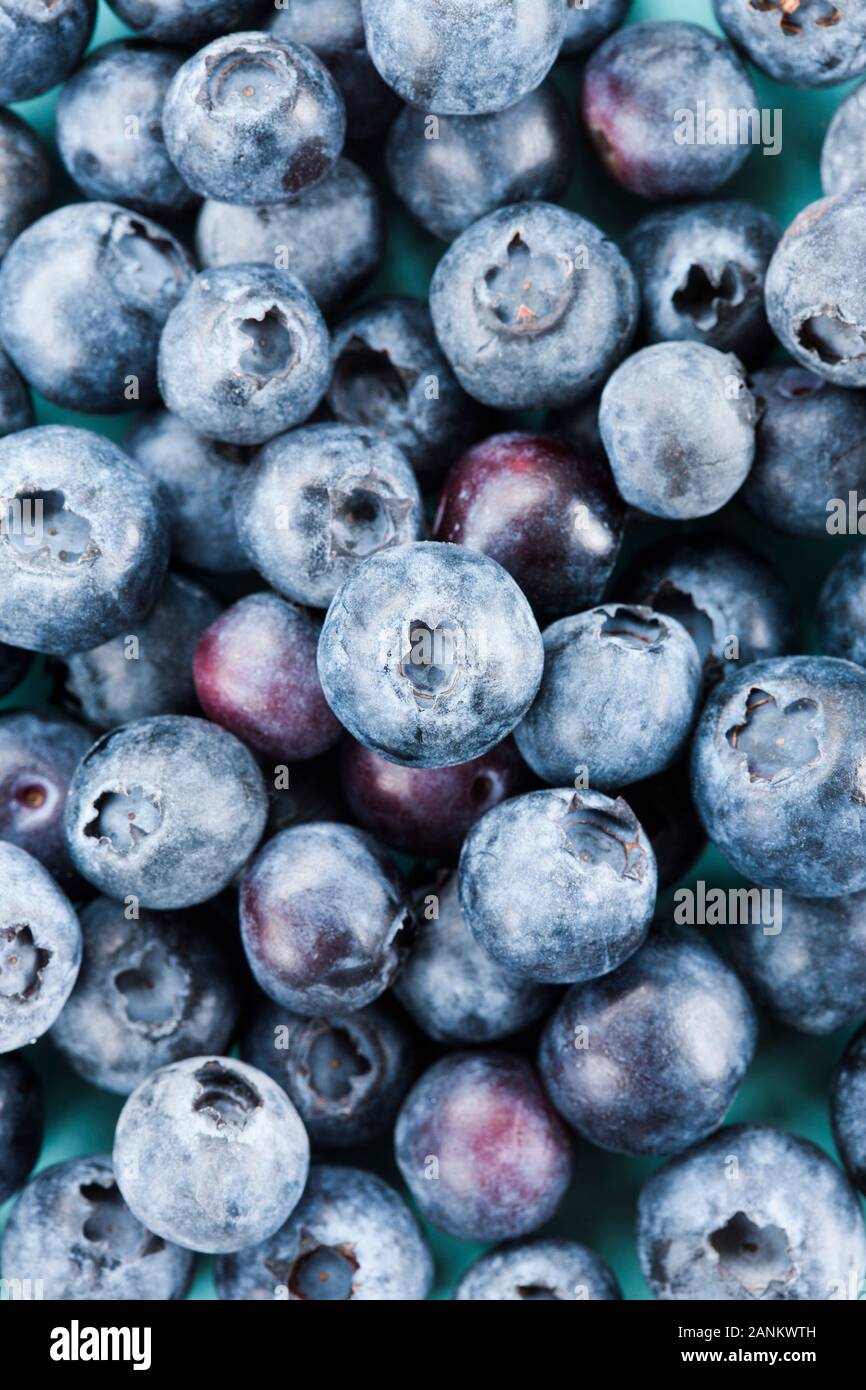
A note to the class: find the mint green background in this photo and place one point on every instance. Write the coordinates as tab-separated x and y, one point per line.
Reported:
788	1082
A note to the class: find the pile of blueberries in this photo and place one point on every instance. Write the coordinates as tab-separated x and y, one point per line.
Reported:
365	761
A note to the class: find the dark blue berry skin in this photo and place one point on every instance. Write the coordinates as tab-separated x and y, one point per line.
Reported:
25	178
249	119
701	273
847	1109
166	810
346	1075
245	354
188	23
587	24
810	447
331	237
808	45
40	948
13	667
127	270
87	547
16	406
842	609
107	157
350	1239
71	1229
467	59
151	990
533	306
558	886
535	1270
636	86
664	807
618	698
39	753
843	154
729	1221
678	424
40	44
463	167
777	768
21	1122
594	1050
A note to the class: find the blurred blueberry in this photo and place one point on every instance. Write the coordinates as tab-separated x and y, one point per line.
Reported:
537	1270
589	21
842	609
21	1121
811	44
39	752
40	44
843	154
847	1109
40	949
189	23
25	177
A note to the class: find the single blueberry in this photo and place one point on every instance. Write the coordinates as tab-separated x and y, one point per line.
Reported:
809	43
537	1270
39	752
25	178
40	949
40	44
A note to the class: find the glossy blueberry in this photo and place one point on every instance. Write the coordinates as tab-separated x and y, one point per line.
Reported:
245	354
550	515
350	1239
587	24
316	502
533	307
322	912
467	166
453	989
40	44
594	1050
843	154
390	376
618	697
14	664
778	762
40	948
678	425
255	673
185	22
727	1221
847	1109
84	547
148	669
663	804
150	991
72	1230
166	810
128	271
228	1145
249	119
109	128
813	43
503	1158
331	238
25	178
701	274
558	886
16	406
464	59
841	609
346	1075
643	93
534	1271
39	752
21	1121
429	654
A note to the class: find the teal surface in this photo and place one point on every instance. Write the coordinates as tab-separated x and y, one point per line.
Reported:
789	1080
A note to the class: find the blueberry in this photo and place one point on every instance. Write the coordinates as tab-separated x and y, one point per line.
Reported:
454	990
195	480
331	238
165	811
16	406
678	424
618	697
249	119
255	673
589	21
21	1122
452	171
391	377
346	1075
674	1001
777	772
533	307
841	609
466	59
549	514
228	1145
323	919
316	502
351	1238
126	270
429	654
25	178
558	886
84	546
147	670
40	948
245	354
813	43
663	804
109	128
40	44
185	22
701	274
532	1271
14	664
643	90
730	1221
151	990
846	1108
39	753
843	161
71	1233
480	1148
